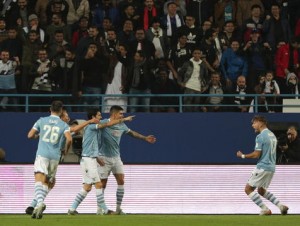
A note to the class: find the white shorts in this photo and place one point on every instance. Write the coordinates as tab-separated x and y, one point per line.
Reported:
89	170
46	166
114	165
260	178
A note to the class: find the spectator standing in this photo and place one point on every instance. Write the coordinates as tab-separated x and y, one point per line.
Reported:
244	9
41	12
57	7
33	24
150	11
291	149
139	82
172	21
77	10
80	32
178	55
240	101
193	78
224	10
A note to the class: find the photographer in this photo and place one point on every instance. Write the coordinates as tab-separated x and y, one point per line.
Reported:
290	149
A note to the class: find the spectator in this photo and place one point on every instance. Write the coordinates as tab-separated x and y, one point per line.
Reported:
255	22
143	44
192	32
271	87
21	13
228	34
215	88
126	35
286	61
106	9
33	24
150	11
57	7
9	73
63	72
91	78
117	79
260	100
58	24
3	31
106	25
201	10
164	85
193	78
240	101
56	48
77	10
41	11
224	11
244	9
111	42
40	82
292	86
80	32
259	58
93	37
29	56
290	149
13	44
276	29
172	21
158	37
209	51
139	82
205	26
181	7
233	64
130	13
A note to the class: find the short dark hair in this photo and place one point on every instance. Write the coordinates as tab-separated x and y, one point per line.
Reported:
56	106
92	112
115	109
260	118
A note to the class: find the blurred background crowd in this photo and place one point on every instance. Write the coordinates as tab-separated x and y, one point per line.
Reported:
142	47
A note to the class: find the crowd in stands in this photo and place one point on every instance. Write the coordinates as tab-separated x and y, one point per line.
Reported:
150	47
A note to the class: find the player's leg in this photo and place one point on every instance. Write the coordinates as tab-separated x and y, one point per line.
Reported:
87	184
257	180
118	171
79	198
33	204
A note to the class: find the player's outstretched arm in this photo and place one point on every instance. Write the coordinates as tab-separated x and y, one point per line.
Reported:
150	138
79	127
115	121
253	155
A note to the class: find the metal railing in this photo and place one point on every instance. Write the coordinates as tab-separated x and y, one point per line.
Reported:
24	101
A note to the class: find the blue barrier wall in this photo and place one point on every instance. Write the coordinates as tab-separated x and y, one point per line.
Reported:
181	138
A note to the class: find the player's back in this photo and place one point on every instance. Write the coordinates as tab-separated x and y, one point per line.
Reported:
51	130
267	159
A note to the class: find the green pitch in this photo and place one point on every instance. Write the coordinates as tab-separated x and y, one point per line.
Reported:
151	220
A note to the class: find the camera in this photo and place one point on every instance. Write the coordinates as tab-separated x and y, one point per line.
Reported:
282	139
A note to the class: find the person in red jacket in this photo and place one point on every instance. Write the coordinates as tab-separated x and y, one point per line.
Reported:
287	60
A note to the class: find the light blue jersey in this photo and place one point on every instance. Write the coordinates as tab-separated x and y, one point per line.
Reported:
90	141
266	142
51	131
111	137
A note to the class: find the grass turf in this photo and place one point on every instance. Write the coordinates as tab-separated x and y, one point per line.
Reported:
150	220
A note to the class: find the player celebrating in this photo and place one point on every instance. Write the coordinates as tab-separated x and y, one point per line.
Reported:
73	129
265	152
110	160
50	130
88	163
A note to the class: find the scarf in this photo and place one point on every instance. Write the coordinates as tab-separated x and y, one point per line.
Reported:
169	25
146	16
